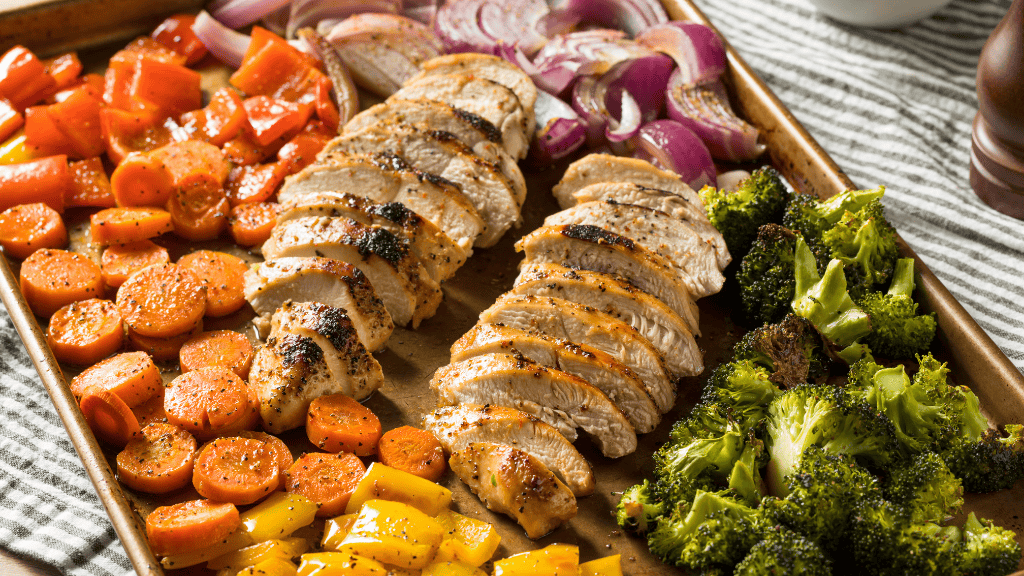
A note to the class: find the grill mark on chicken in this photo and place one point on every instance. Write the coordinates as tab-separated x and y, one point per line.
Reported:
382	243
299	351
481	124
590	233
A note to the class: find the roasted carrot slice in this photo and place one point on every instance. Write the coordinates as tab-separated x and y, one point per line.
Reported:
141	180
162	301
151	411
28	227
85	332
199	208
327	479
122	260
224	348
45	180
224	277
282	455
130	224
161	349
236	470
190	526
414	451
109	417
255	183
183	159
51	279
158	460
272	118
176	33
89	185
337	423
219	121
211	401
130	375
252	224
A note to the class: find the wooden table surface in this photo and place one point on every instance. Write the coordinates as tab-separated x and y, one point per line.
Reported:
11	565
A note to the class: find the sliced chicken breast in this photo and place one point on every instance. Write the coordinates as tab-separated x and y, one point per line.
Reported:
620	384
492	68
442	154
558	398
490	100
581	324
457	426
595	168
668	202
399	278
592	248
272	283
441	256
384	178
313	350
664	329
510	481
670	238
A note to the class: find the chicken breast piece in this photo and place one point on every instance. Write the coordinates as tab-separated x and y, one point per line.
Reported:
591	248
558	398
313	350
620	384
384	178
457	426
581	324
441	256
664	329
492	68
510	481
397	275
490	100
442	154
668	202
272	283
595	168
668	237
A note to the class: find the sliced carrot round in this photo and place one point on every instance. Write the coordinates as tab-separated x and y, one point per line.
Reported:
151	411
337	423
141	180
157	461
199	207
190	526
120	261
26	228
85	332
225	348
131	375
251	224
412	450
211	401
51	279
123	225
327	479
282	455
224	277
162	349
236	470
162	301
109	417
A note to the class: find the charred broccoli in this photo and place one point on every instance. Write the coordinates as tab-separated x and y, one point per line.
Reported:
918	419
745	478
716	530
743	389
866	243
896	330
988	550
811	217
760	199
765	277
783	552
886	541
791	350
926	488
989	463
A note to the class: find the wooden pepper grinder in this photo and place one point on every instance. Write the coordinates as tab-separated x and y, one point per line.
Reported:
997	143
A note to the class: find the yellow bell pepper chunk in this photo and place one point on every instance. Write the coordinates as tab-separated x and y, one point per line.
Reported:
386	483
237	540
270	567
452	569
607	566
285	549
393	533
553	560
336	529
15	150
278	516
466	539
339	564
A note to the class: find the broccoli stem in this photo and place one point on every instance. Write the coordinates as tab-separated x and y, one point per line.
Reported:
903	278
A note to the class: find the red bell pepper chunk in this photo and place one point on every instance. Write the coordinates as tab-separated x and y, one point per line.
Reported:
272	67
64	69
146	47
126	131
170	88
301	151
43	134
78	117
23	78
256	183
176	33
326	109
119	78
89	185
10	119
220	121
45	180
272	118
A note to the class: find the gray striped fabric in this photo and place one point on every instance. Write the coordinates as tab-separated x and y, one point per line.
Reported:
892	107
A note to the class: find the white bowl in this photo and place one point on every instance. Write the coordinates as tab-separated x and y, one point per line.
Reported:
879	13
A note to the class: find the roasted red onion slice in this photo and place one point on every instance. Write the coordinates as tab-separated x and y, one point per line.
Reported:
590	106
309	12
672	146
238	13
639	83
560	131
633	16
706	111
224	43
568	56
629	122
697	50
484	25
422	11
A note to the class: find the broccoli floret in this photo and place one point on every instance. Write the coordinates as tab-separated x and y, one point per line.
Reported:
990	463
866	243
743	389
885	542
897	331
745	478
639	508
765	277
812	217
917	419
822	492
988	550
714	532
824	301
792	350
782	553
714	455
760	199
707	419
926	488
825	416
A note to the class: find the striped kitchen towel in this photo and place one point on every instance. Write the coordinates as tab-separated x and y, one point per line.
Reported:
891	107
